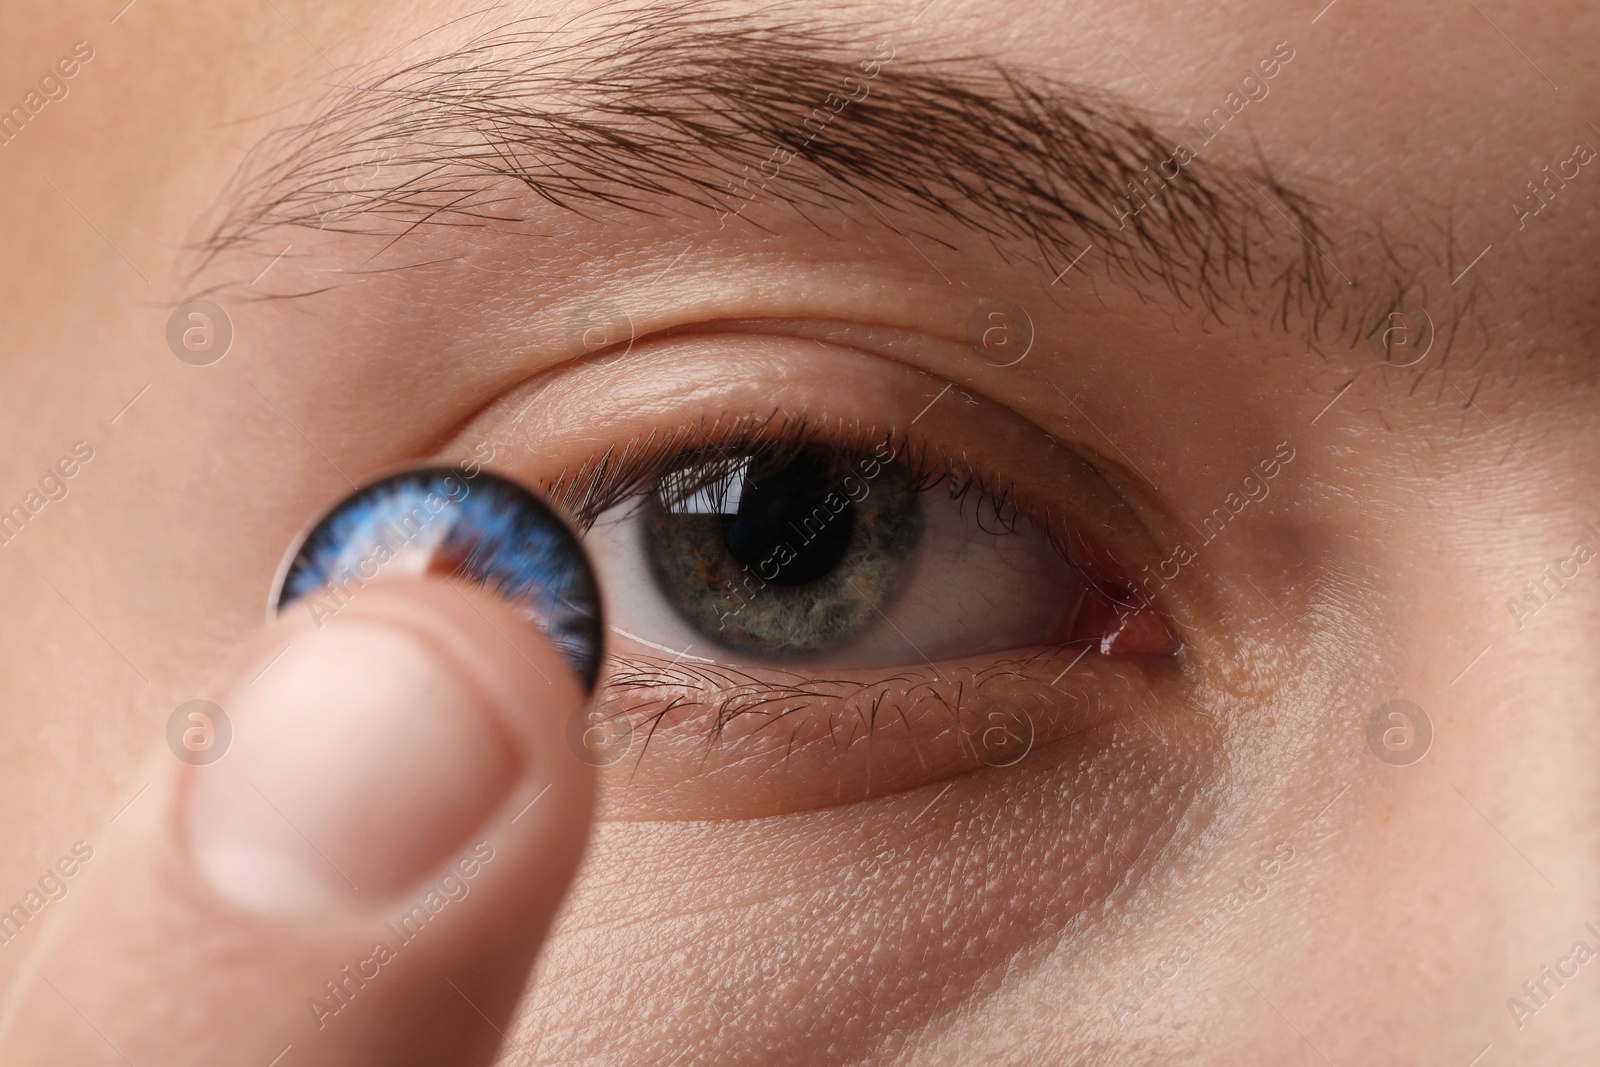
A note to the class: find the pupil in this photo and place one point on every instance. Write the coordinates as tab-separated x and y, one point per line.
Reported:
785	508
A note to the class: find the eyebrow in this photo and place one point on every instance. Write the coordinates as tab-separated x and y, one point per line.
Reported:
690	110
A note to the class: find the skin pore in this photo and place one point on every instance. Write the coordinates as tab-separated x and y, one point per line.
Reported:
412	217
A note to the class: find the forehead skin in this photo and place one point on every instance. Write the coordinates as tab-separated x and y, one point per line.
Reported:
1420	899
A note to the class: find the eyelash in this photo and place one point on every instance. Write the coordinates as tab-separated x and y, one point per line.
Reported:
738	693
716	451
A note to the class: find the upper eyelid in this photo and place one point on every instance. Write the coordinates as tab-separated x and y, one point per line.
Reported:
990	496
609	477
1079	493
613	476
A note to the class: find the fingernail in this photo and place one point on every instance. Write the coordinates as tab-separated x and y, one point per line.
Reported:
362	760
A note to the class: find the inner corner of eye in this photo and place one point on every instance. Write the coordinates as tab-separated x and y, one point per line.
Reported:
1117	620
833	554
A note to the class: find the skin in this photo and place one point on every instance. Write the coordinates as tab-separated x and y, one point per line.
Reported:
972	914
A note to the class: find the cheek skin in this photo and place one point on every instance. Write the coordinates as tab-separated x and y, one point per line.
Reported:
881	917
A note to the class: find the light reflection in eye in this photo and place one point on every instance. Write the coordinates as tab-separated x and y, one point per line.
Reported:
467	524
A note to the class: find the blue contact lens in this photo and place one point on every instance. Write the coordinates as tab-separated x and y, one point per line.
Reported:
463	523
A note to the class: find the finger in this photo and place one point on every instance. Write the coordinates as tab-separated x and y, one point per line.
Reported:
364	877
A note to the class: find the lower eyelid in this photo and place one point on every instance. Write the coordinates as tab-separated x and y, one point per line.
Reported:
697	740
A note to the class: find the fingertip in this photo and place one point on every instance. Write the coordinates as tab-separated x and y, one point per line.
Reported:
374	744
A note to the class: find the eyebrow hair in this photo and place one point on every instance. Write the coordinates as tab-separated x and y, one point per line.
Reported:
656	110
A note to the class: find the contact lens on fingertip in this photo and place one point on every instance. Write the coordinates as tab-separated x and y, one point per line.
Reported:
458	522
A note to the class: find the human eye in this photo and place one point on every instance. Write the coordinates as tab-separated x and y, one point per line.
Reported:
787	547
816	595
